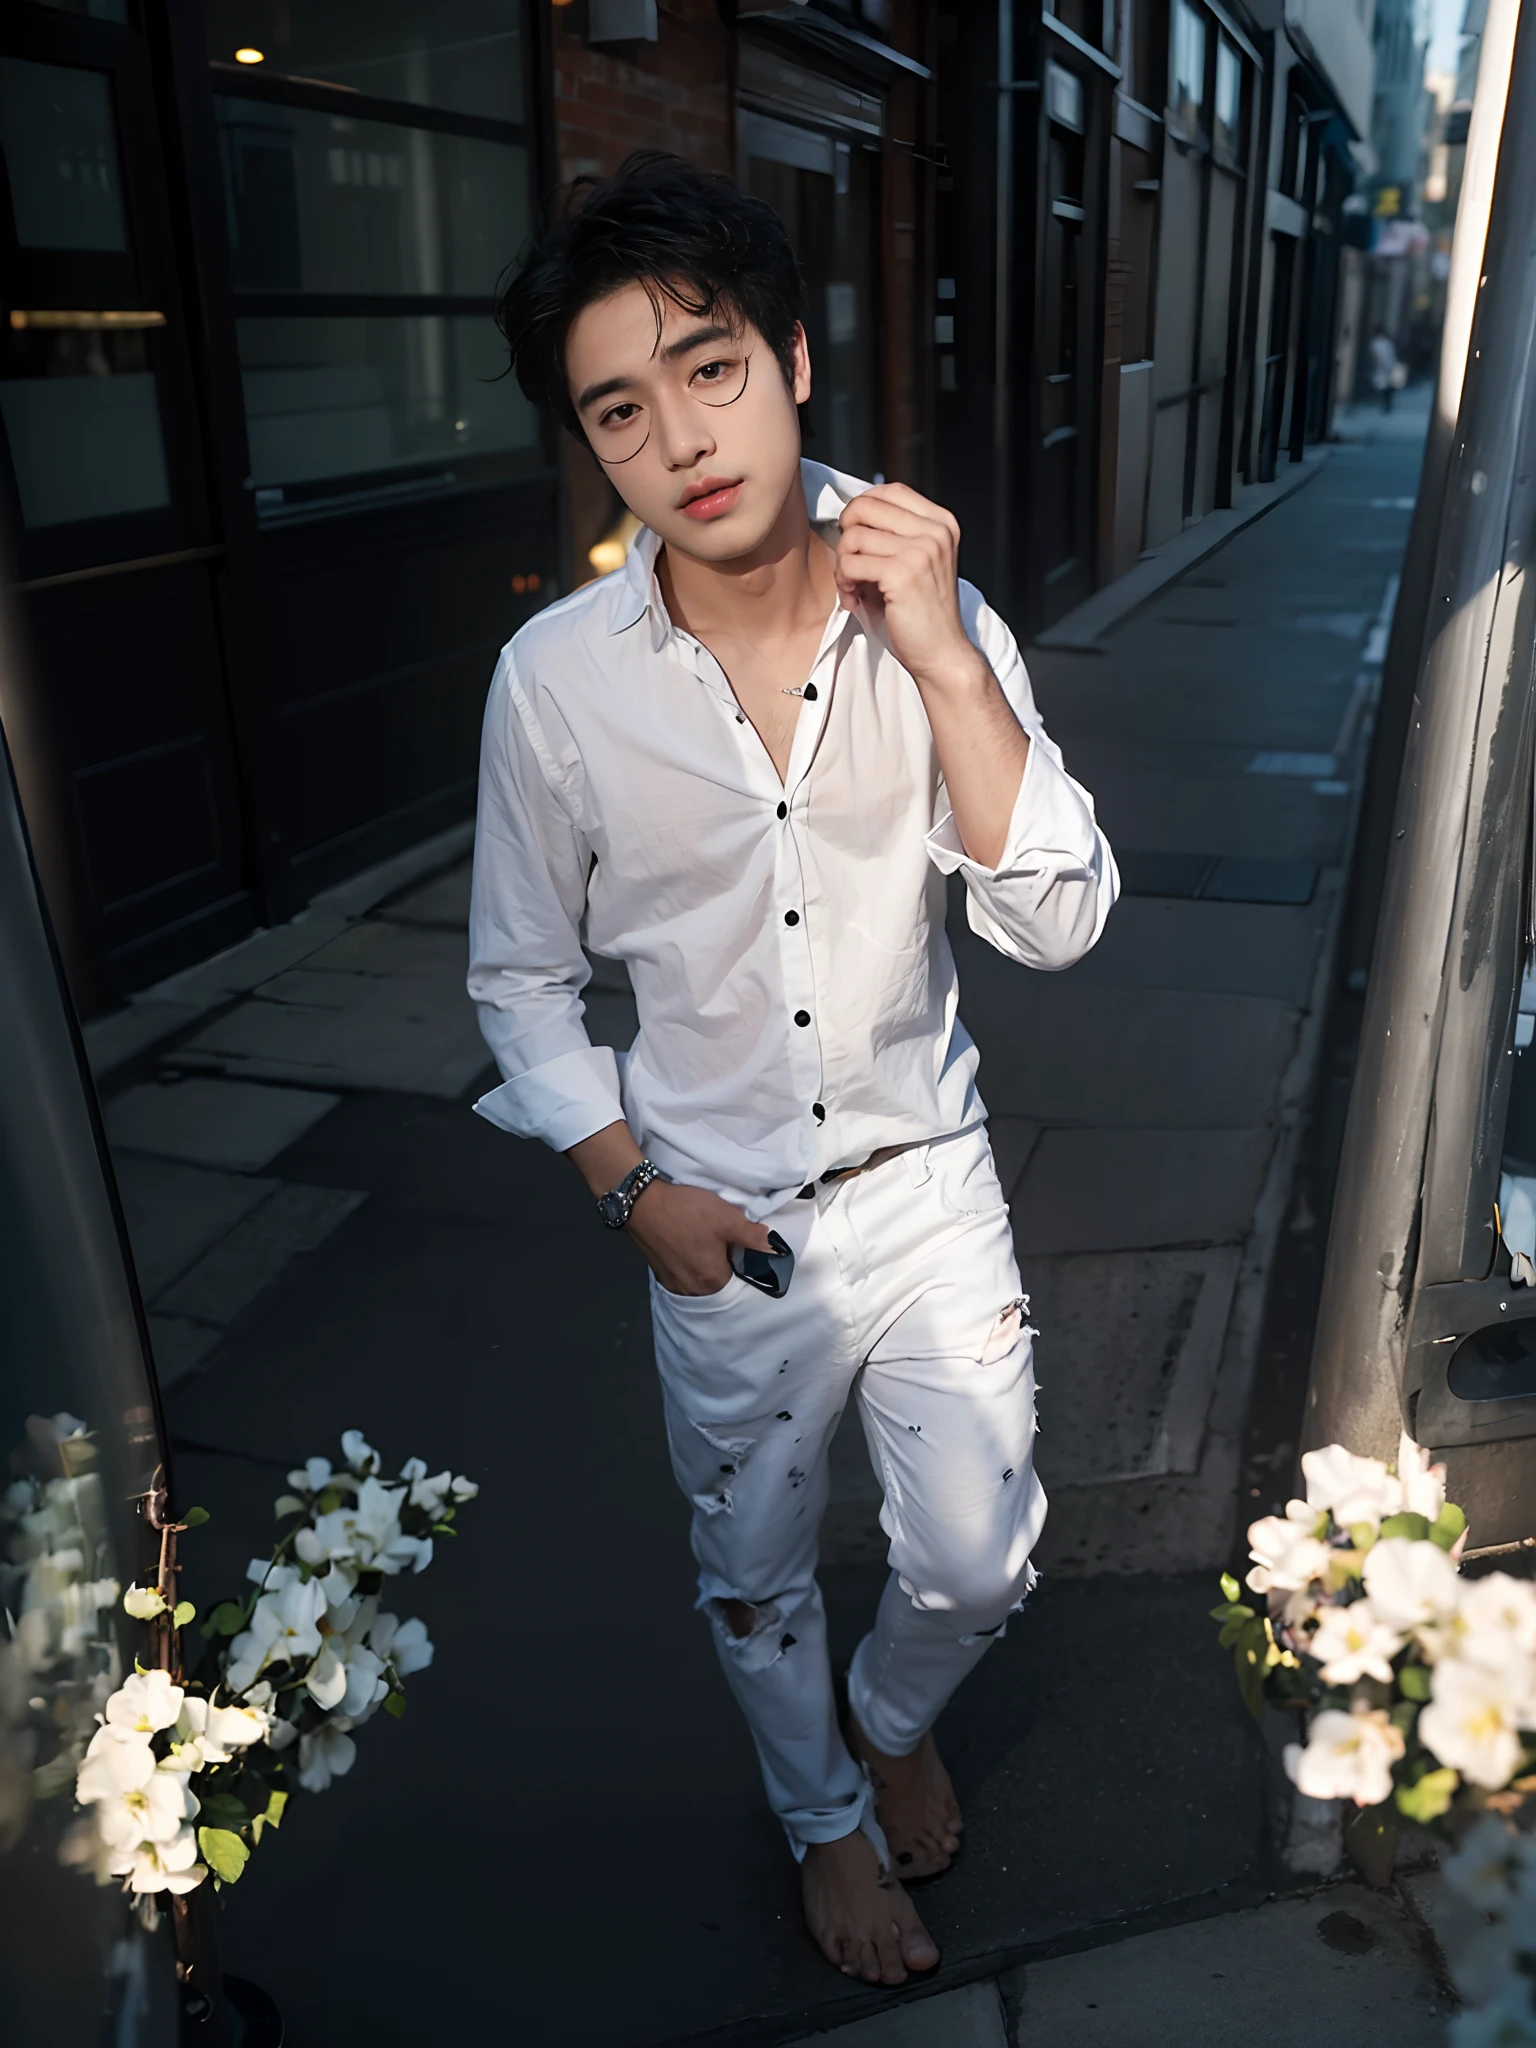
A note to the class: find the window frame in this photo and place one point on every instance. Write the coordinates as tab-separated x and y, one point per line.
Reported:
339	493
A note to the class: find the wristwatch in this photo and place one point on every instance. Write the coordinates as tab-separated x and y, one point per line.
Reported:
614	1207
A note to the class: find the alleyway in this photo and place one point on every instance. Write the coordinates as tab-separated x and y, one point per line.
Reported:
564	1840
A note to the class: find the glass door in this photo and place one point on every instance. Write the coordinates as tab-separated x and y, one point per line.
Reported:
824	186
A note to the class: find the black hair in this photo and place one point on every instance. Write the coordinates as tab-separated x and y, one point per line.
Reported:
687	235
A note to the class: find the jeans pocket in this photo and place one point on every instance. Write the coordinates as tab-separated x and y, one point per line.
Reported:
696	1304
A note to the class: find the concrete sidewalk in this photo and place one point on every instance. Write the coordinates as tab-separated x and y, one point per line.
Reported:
329	1238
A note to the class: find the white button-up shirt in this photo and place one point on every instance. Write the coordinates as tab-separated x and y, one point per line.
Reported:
785	941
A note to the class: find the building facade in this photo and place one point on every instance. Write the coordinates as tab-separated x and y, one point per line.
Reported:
1071	265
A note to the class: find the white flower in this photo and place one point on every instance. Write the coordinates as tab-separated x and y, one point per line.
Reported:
1495	1623
1423	1484
1286	1554
1410	1583
326	1679
326	1754
284	1627
358	1452
162	1866
1352	1489
431	1494
465	1489
207	1733
1348	1756
145	1703
135	1800
1472	1723
365	1533
1352	1643
313	1476
404	1645
144	1602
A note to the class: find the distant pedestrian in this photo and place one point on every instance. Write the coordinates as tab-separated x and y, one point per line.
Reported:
1383	366
744	763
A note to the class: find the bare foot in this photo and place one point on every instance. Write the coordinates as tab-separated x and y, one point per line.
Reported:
863	1922
914	1802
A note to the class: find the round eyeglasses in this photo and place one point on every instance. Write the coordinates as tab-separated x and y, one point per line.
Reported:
622	428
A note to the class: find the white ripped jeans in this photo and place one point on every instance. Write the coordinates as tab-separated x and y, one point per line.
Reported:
906	1296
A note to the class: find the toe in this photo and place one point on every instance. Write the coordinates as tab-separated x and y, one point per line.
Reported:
918	1947
870	1968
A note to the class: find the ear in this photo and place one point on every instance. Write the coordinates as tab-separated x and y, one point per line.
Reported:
800	364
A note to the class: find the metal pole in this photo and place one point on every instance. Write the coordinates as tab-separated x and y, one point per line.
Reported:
1405	648
1355	1391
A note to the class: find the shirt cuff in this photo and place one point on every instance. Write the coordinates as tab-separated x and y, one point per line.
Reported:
562	1101
1049	816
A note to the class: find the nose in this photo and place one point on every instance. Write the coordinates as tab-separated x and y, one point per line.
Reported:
683	436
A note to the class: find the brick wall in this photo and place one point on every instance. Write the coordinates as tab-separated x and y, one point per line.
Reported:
671	94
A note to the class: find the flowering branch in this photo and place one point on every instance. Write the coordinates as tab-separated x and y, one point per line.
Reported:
304	1658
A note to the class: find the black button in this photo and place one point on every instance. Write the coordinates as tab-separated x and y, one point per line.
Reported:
802	1017
810	693
818	1111
806	1194
791	917
783	810
741	718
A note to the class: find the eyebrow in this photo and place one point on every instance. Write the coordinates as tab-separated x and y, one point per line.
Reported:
698	338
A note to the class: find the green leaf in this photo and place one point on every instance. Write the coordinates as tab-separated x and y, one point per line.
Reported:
1413	1682
1231	1590
442	1529
394	1703
329	1501
223	1810
288	1504
1430	1797
184	1613
194	1518
224	1853
1447	1526
1236	1626
1414	1527
1363	1534
227	1619
274	1813
1404	1714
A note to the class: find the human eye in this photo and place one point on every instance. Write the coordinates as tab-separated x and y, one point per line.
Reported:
620	415
716	371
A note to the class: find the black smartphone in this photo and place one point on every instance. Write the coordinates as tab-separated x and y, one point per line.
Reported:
771	1271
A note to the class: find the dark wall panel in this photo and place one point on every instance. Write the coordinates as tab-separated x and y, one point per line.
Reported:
129	677
385	630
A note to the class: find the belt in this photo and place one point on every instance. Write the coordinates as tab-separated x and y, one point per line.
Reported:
837	1173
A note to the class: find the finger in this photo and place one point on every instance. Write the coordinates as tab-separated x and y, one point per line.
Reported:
740	1229
860	517
899	501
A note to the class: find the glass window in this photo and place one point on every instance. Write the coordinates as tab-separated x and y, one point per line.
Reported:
463	54
1229	100
323	203
1188	62
82	420
347	396
60	142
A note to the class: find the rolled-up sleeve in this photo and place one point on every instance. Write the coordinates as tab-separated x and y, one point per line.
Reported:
526	964
1046	900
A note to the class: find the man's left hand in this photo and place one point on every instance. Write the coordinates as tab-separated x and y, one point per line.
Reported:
897	566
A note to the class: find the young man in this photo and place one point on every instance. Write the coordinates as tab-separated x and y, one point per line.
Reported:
745	764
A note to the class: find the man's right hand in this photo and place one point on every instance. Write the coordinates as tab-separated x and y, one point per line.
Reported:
686	1234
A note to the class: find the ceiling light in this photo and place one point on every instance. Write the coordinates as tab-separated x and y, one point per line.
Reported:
250	56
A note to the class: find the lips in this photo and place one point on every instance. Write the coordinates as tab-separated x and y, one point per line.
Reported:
711	498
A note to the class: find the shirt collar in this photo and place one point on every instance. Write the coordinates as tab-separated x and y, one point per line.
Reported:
635	592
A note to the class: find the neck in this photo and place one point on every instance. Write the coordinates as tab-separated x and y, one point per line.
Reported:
774	590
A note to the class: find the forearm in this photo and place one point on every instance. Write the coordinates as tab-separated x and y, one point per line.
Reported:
982	751
603	1159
